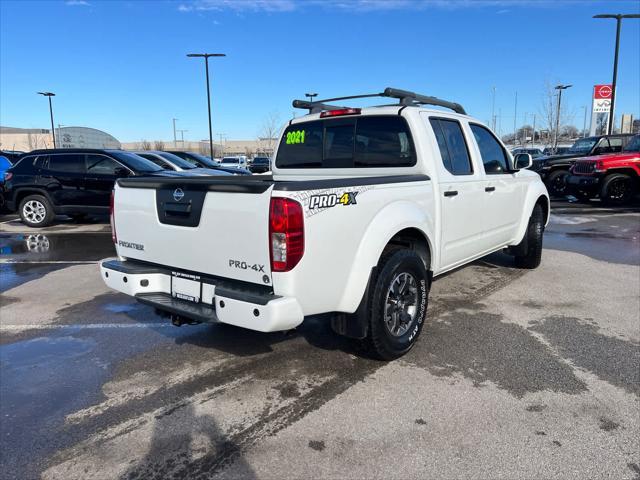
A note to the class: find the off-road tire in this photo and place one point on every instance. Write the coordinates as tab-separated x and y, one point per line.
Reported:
35	211
557	183
380	342
617	189
531	244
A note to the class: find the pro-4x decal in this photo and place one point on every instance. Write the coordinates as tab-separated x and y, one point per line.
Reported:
327	200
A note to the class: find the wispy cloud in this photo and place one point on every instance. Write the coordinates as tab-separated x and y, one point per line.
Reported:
76	3
368	5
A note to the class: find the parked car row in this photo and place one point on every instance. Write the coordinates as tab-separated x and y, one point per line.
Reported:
554	169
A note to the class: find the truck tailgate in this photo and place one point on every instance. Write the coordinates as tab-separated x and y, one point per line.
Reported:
215	226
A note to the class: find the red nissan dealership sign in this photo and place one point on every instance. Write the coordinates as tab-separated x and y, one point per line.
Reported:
602	92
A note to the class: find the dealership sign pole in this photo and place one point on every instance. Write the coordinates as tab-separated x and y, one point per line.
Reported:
601	105
618	17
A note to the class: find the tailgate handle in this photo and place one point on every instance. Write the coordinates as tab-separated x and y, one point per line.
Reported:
171	208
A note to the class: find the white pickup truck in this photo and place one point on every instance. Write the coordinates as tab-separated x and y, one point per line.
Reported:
364	207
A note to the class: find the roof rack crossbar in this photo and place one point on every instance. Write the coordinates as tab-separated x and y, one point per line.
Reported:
405	97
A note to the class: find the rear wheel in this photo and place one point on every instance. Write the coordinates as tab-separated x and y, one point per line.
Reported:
36	211
557	183
617	189
398	303
530	249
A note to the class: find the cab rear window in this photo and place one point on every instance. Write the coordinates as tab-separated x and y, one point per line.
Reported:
364	142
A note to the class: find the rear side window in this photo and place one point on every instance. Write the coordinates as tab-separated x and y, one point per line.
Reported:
366	142
452	145
67	163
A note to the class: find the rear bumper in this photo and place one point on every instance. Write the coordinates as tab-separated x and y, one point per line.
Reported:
222	303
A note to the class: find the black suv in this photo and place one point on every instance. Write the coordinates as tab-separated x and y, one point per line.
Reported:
72	182
554	169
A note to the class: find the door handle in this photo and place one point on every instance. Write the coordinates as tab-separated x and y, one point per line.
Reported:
450	193
489	189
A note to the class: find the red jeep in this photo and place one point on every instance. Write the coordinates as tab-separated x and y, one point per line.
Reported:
615	178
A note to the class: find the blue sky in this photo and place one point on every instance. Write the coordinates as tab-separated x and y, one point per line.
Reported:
120	66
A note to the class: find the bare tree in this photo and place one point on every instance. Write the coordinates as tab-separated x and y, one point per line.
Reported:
158	145
269	132
549	110
568	132
145	145
601	124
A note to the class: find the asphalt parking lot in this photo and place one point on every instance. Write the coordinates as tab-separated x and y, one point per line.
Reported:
518	374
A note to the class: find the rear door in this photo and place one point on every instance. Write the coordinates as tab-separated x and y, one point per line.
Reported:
461	191
503	191
64	178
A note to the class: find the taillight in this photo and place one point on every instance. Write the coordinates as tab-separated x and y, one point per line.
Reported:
339	112
112	217
8	176
286	233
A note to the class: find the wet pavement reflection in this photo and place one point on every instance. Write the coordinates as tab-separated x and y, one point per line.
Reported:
27	256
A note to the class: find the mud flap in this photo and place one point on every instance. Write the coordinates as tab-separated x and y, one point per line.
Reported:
356	324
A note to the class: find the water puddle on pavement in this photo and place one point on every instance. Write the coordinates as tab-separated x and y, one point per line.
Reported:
26	257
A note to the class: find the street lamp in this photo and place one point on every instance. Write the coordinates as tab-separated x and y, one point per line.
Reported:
560	88
53	132
310	96
182	136
175	142
618	18
206	66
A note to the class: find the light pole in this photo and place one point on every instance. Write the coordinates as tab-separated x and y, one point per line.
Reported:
206	67
493	110
584	122
618	18
560	88
53	132
182	136
515	119
310	96
175	142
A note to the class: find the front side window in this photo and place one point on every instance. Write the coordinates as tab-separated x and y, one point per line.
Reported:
494	157
67	163
615	144
101	165
452	145
356	142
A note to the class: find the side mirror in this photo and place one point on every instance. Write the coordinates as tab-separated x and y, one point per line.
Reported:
121	172
522	160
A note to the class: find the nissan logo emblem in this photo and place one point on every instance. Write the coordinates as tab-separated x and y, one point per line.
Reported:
178	194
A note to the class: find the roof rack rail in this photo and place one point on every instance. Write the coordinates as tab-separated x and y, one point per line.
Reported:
405	97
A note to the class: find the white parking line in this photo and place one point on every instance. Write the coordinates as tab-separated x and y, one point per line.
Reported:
88	326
